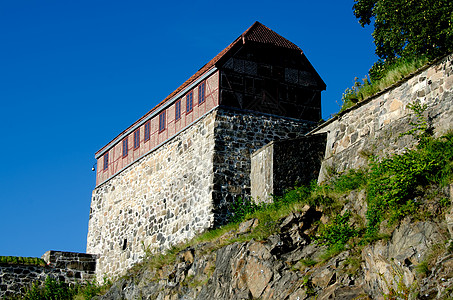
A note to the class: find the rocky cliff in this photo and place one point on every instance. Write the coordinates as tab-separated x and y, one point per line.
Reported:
413	260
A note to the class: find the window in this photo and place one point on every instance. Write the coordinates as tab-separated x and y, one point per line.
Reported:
137	138
162	121
189	102
125	146
201	92
178	110
147	132
106	161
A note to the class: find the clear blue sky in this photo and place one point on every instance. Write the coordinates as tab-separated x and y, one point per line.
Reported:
74	74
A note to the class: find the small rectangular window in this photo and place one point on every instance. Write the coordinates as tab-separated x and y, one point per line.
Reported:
137	138
178	110
147	131
201	92
106	161
125	146
189	102
162	121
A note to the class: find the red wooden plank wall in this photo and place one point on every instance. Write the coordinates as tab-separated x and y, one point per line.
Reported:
116	160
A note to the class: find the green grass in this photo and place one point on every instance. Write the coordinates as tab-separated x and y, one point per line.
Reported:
395	183
393	73
16	260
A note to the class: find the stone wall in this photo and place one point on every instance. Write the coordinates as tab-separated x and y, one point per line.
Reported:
180	189
69	267
281	164
374	126
262	174
238	134
160	200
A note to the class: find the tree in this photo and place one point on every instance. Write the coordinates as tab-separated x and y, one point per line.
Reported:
407	28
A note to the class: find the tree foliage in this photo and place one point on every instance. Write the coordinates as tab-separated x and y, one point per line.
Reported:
407	28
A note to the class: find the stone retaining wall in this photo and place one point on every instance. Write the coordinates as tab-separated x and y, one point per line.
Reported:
280	165
374	126
69	267
238	134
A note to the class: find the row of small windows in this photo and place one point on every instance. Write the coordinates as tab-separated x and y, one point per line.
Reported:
162	122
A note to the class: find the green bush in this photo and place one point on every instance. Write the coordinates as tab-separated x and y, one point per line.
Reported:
338	232
349	181
240	208
392	187
52	289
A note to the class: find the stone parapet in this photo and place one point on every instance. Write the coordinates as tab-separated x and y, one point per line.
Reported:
238	134
69	267
280	165
375	126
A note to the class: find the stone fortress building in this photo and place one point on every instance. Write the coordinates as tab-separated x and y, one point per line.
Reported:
175	171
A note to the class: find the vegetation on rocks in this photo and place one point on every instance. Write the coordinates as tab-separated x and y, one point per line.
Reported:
22	260
407	35
54	289
381	76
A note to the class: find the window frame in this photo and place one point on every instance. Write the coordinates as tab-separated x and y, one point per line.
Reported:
178	110
147	131
137	138
189	99
125	146
106	161
202	93
162	121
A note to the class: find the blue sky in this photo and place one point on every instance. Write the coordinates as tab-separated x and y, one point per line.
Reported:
74	74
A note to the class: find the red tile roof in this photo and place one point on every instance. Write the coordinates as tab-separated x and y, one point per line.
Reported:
262	34
256	33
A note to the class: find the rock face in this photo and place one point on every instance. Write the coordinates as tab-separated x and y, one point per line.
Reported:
268	269
414	262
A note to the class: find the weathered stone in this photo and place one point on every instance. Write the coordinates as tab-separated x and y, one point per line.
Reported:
247	226
258	275
343	293
280	165
388	264
380	120
64	266
324	277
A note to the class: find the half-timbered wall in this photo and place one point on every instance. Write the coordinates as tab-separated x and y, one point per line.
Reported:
116	160
274	81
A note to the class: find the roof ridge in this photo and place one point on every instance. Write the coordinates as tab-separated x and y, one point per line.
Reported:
262	34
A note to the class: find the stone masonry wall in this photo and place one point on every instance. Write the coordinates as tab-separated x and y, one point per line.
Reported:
262	174
160	200
69	267
297	161
237	135
374	126
281	164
